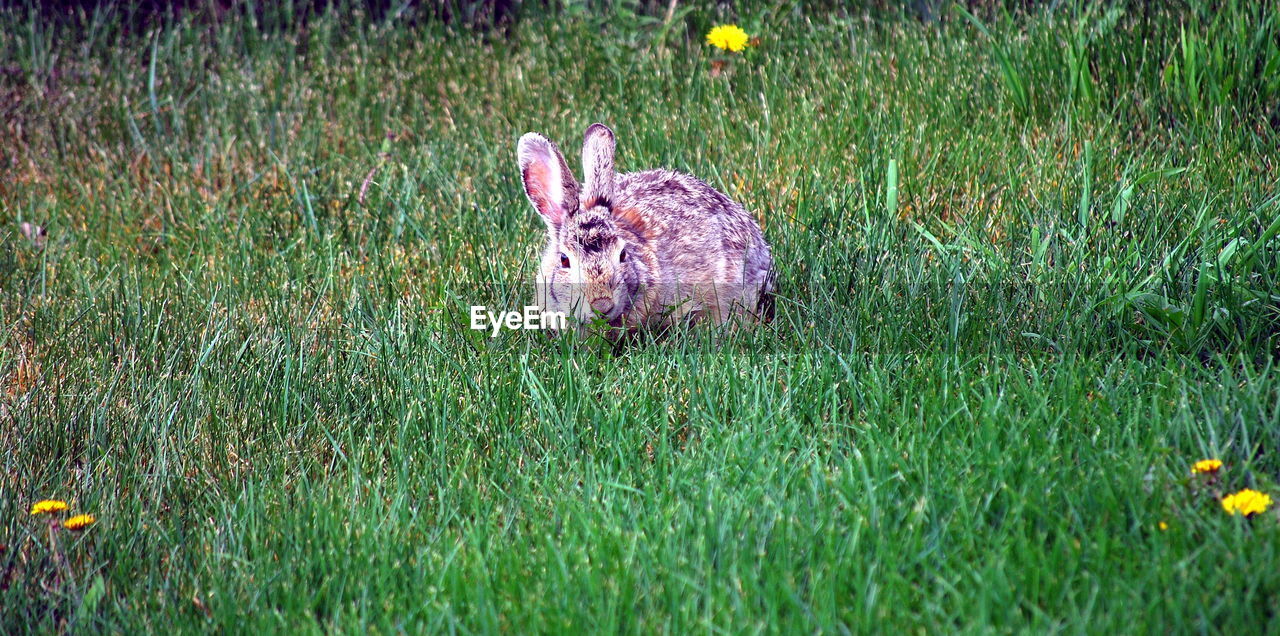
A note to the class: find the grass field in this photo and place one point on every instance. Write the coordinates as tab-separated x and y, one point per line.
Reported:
1028	270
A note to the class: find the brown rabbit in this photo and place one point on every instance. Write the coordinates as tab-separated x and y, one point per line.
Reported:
641	249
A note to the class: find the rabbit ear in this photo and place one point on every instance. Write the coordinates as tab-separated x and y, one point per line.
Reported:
548	182
597	166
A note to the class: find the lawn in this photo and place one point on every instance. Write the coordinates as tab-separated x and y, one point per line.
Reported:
1028	274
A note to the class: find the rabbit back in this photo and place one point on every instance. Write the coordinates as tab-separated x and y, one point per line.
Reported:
701	239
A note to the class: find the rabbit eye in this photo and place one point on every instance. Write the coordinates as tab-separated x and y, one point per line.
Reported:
622	256
564	261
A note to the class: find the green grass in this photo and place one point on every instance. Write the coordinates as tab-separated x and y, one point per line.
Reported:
1021	291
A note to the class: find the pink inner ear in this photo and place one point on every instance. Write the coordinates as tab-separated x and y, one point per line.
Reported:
538	183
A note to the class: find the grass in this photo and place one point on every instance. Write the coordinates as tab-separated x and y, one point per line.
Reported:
1021	292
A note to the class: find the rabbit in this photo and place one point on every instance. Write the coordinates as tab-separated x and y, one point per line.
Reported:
641	250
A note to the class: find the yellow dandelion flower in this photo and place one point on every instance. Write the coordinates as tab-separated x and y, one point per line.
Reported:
48	505
1246	502
79	522
1206	466
728	37
1163	526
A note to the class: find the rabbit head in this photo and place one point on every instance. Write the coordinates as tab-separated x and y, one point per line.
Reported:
591	268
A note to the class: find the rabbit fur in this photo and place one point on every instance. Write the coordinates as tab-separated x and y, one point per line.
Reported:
644	249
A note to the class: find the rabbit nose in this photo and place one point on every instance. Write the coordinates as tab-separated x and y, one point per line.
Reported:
602	305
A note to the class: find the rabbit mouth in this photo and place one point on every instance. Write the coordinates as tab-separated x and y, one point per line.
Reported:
612	317
605	307
616	317
585	313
